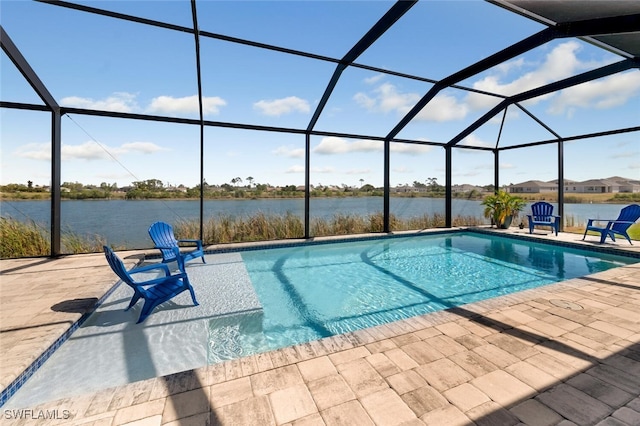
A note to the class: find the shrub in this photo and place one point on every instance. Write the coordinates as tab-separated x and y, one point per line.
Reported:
29	239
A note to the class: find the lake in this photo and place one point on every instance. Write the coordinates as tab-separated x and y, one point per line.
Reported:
125	222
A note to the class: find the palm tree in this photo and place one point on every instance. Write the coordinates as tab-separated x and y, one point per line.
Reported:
250	180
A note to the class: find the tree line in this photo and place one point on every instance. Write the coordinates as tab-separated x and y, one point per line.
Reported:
157	189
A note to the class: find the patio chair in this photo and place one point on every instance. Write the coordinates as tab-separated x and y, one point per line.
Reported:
619	226
153	291
162	235
542	215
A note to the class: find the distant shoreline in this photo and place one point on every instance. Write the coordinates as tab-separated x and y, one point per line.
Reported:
572	198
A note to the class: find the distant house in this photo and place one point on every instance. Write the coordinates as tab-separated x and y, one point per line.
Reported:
610	185
180	188
592	186
403	188
630	186
409	188
533	187
466	188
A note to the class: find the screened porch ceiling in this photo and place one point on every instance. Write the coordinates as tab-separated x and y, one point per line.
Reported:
329	65
439	81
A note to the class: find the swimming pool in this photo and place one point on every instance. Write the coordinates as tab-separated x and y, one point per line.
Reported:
314	291
306	292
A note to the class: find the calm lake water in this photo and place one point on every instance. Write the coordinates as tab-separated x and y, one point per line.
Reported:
125	222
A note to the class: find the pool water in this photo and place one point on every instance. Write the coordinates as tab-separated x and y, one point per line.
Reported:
314	291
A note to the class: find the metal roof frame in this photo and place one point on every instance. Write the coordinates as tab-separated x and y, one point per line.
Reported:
610	24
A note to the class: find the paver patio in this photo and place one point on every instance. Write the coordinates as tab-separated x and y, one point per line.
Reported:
524	358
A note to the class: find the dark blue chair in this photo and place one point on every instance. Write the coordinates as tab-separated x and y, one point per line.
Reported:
154	291
542	215
162	235
619	226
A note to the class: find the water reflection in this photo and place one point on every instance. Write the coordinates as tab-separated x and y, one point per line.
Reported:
548	259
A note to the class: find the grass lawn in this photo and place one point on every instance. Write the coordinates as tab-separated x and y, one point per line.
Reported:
634	231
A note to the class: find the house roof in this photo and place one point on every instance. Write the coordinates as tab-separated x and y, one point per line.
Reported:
537	183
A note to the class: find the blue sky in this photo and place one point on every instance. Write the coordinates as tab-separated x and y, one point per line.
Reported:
96	62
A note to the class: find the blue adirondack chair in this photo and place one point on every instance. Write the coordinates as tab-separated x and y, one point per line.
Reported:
162	235
542	215
154	291
619	226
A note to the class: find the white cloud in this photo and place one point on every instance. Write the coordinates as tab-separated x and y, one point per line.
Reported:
278	107
470	172
624	154
289	151
605	93
473	140
314	170
87	151
295	169
560	63
323	170
358	171
127	102
140	147
443	108
374	79
365	101
331	145
34	151
506	67
188	104
386	98
113	176
402	170
117	102
407	148
389	99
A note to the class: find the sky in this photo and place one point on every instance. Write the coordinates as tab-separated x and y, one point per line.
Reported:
94	62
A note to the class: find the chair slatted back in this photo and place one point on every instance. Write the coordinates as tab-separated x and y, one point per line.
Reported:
162	235
542	211
631	213
117	266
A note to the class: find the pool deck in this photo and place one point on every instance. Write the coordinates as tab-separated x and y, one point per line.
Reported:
563	354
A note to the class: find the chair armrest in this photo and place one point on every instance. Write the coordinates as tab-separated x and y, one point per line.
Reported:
156	281
198	242
602	220
150	268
